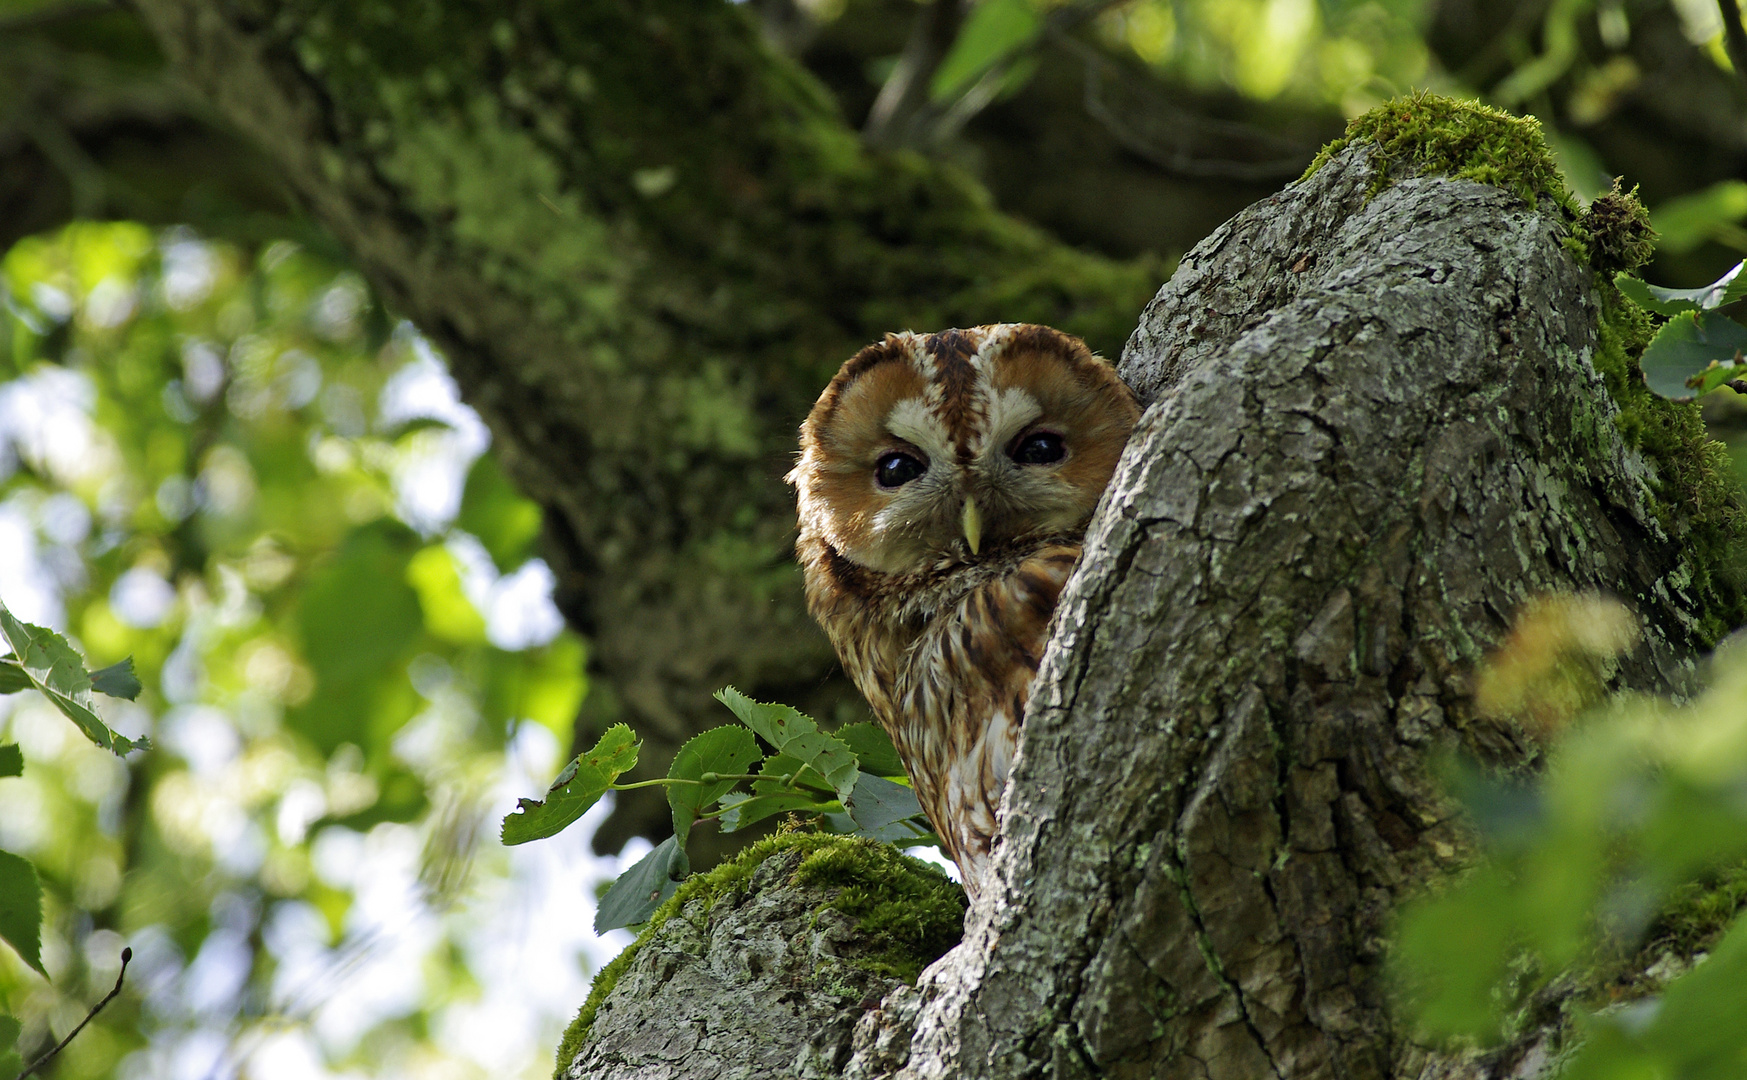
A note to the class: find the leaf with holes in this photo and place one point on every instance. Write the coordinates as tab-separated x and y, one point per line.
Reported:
579	786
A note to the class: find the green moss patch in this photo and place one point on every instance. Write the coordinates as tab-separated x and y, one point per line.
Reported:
907	912
1425	135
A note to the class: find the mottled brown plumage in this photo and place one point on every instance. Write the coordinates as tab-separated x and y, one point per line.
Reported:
945	482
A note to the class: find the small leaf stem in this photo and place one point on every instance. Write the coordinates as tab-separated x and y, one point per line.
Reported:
683	780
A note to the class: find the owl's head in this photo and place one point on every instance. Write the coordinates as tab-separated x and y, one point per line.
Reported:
931	449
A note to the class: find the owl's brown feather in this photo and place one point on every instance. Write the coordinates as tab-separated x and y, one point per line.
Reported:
941	625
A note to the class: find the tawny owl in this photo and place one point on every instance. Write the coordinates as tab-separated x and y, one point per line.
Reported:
945	482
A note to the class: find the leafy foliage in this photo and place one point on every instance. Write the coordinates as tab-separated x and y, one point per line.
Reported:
217	461
1697	349
1640	796
810	772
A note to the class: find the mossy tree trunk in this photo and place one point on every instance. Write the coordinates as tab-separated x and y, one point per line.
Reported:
645	241
1377	428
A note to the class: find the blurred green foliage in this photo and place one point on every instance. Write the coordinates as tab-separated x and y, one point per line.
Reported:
1611	884
213	466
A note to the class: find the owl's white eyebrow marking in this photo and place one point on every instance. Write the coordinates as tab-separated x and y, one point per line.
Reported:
1007	411
913	419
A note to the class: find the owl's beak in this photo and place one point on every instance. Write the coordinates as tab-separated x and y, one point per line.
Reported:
973	525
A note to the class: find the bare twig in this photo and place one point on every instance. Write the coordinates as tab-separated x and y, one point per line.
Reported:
126	955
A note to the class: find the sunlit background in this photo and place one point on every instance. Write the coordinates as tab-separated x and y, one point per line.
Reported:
235	466
217	464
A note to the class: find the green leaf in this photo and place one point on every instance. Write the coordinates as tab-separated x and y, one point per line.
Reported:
12	677
58	672
794	734
1727	289
117	680
995	30
751	809
1685	347
726	749
11	760
21	909
579	786
884	811
643	888
873	749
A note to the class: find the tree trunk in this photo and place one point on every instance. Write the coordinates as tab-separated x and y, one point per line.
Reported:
1376	429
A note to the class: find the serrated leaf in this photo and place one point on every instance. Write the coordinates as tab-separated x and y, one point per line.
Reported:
12	677
1727	289
643	888
579	786
751	809
1685	346
726	749
794	734
873	748
117	680
994	30
21	909
11	760
58	672
883	810
9	1030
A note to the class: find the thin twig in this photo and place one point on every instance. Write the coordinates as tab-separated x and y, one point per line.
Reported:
1734	36
126	955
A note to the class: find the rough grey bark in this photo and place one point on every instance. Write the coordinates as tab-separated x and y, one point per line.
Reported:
1374	433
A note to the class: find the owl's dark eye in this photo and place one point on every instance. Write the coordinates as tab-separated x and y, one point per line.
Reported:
896	469
1039	448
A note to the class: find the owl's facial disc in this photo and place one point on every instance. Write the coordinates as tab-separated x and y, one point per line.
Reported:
929	451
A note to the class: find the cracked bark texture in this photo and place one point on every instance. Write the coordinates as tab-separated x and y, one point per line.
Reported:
1374	432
